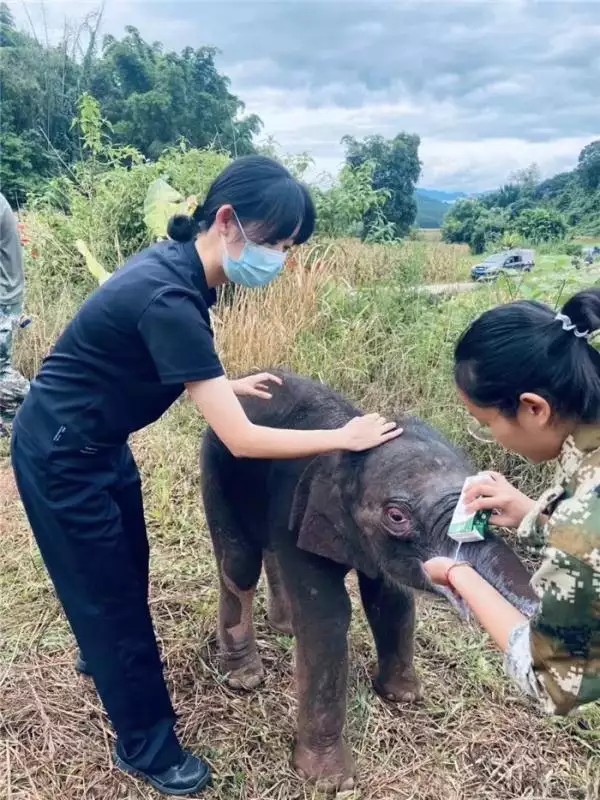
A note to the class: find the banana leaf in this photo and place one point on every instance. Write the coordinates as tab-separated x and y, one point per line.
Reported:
92	262
161	203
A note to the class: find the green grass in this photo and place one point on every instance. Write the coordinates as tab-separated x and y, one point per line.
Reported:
552	261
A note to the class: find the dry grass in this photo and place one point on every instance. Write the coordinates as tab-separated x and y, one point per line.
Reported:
411	261
473	737
263	327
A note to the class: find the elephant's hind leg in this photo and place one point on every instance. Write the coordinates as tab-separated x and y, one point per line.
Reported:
239	563
239	658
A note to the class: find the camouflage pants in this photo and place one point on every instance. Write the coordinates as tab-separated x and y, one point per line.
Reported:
13	386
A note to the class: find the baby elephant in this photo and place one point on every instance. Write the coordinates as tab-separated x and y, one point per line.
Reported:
310	522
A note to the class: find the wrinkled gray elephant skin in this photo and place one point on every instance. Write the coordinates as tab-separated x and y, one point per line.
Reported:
311	521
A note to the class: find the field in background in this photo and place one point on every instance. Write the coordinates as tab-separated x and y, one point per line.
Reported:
430	234
345	313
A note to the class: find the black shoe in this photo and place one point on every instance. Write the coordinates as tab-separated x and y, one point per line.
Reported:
186	778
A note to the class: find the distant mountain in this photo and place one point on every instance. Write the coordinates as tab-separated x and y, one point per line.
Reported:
441	197
430	212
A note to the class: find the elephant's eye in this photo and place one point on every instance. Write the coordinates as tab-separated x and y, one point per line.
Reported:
397	520
395	515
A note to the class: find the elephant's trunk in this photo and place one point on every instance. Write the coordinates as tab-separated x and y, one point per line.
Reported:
495	561
503	569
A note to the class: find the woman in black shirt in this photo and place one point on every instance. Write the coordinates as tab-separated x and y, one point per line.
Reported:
135	345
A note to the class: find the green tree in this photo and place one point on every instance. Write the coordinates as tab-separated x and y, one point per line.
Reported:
462	222
153	98
588	166
40	86
396	170
555	188
539	211
504	197
472	222
7	27
541	225
114	198
342	208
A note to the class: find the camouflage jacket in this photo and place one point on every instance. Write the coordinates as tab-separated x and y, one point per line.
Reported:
555	657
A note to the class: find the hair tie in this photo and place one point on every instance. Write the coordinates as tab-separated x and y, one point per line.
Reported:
568	325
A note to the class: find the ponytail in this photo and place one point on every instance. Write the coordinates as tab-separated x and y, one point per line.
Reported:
184	228
525	346
583	309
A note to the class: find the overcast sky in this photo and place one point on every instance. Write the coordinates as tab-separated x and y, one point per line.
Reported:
489	85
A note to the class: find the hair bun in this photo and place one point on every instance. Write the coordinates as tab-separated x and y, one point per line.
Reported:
181	228
583	309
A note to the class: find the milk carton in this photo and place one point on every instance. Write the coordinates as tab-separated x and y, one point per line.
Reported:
465	527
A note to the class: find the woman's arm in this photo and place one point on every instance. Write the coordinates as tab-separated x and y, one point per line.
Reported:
222	410
553	655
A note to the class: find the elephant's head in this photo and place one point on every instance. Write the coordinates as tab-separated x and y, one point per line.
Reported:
387	511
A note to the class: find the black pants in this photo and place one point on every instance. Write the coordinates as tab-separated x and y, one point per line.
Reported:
87	517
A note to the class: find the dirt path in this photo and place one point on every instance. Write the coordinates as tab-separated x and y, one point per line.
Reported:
448	288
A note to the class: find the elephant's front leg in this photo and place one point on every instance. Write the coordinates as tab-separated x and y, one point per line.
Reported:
279	611
391	615
321	618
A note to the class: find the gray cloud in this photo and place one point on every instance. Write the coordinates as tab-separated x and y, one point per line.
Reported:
489	86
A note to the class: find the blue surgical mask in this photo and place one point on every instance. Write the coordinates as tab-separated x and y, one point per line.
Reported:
256	266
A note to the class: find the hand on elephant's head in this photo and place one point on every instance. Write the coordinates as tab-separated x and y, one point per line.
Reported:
371	430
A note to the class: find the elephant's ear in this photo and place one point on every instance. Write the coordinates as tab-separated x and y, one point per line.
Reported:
322	521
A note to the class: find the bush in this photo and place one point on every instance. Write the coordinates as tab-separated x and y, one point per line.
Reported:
109	216
342	207
481	224
100	202
541	225
573	249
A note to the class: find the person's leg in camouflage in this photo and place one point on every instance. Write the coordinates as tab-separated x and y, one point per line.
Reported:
13	385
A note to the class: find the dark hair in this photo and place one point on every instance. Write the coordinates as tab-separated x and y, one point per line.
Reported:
521	347
263	194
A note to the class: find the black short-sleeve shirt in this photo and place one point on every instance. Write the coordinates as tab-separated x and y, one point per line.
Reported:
125	356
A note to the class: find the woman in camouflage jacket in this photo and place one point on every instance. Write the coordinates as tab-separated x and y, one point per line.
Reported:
531	380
